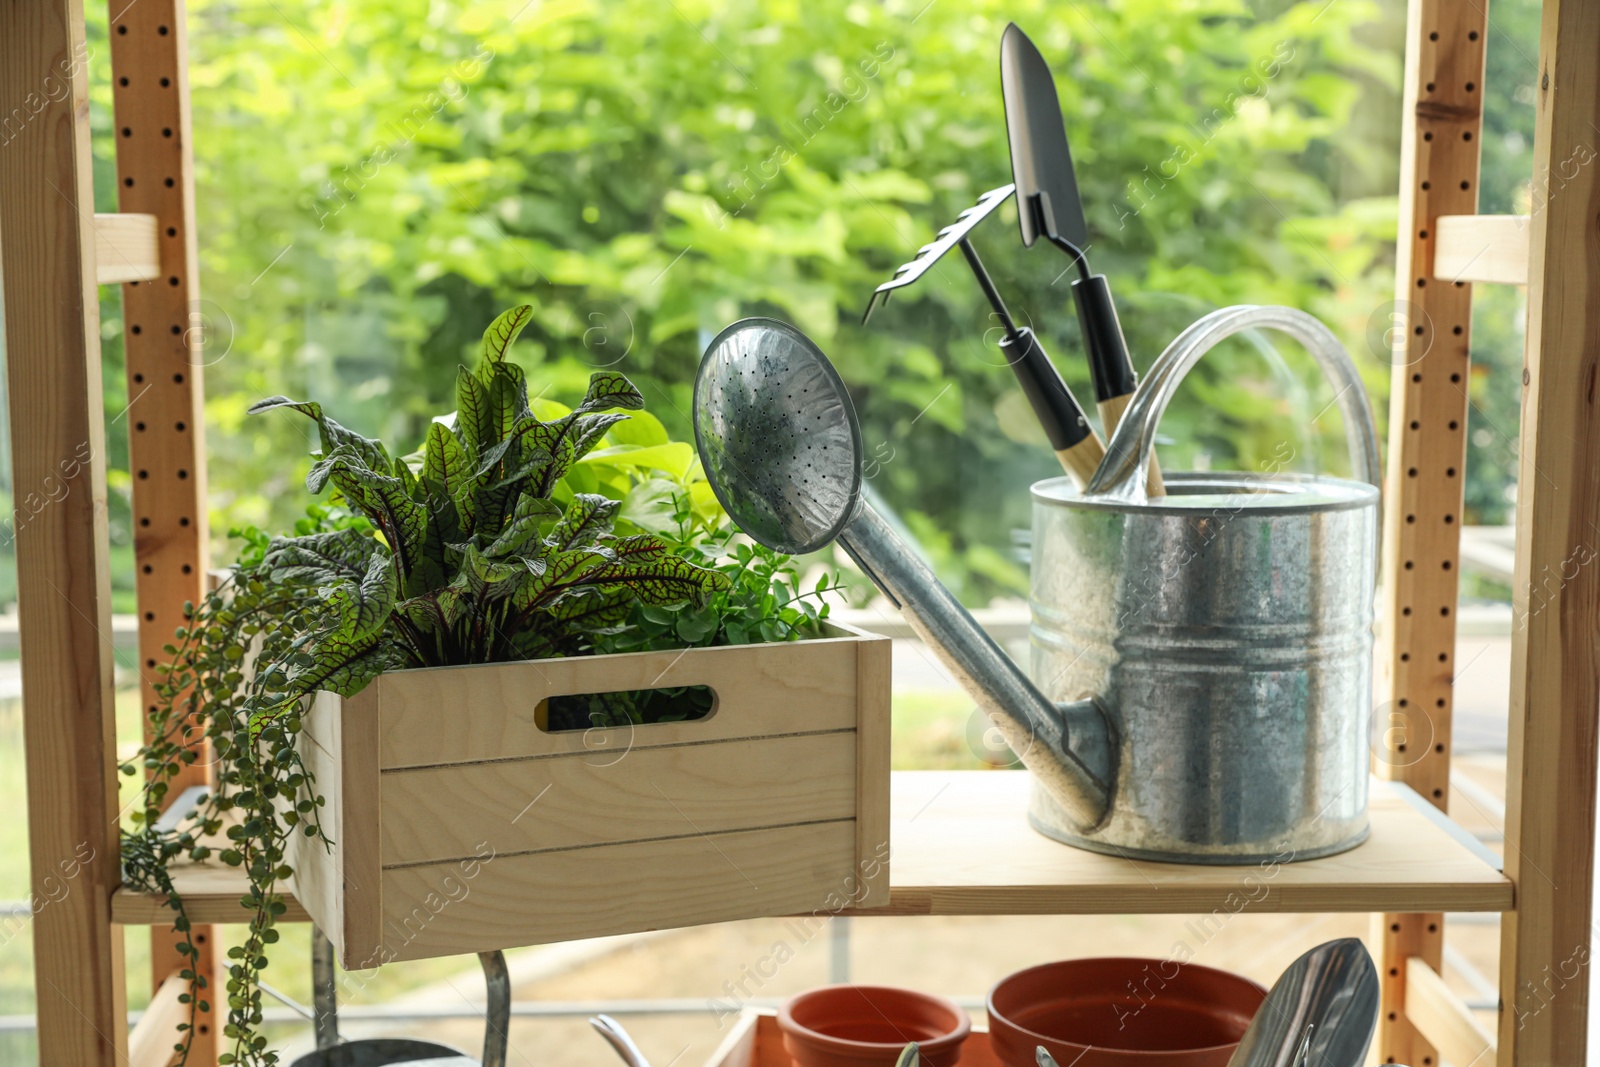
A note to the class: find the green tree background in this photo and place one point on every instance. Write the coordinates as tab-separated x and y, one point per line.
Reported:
376	180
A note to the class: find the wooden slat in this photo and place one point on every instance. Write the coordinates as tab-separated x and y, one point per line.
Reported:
1443	1019
318	865
785	688
1481	248
164	338
361	862
874	670
1555	662
449	812
337	878
151	1040
126	248
1423	495
520	900
52	325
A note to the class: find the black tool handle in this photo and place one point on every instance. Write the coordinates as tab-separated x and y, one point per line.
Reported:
1109	364
1071	436
1063	420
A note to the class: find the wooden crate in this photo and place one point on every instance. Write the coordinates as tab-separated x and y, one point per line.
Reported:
460	825
756	1041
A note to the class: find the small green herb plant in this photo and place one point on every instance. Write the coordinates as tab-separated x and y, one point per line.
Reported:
521	529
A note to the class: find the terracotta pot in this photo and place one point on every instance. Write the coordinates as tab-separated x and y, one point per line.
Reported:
1121	1013
868	1026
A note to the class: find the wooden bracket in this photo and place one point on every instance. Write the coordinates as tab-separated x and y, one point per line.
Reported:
1481	248
1443	1019
151	1040
126	249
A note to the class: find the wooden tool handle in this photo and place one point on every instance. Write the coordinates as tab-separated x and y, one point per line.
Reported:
1111	410
1109	365
1082	459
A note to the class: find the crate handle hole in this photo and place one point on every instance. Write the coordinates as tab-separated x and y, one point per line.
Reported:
577	712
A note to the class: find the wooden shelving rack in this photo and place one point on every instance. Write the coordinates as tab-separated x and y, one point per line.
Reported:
961	845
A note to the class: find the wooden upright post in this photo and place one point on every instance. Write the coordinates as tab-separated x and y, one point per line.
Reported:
58	462
165	327
1427	454
1555	652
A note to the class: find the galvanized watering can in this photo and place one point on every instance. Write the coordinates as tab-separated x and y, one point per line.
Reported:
1224	629
1211	712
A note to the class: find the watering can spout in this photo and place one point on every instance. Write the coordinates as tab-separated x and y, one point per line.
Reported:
1069	747
781	447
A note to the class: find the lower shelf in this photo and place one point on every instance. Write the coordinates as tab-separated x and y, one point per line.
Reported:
962	846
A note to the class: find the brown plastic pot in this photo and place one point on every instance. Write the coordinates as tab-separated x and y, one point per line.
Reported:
869	1025
1121	1013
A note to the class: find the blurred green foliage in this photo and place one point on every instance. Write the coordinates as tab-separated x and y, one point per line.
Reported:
375	179
1498	318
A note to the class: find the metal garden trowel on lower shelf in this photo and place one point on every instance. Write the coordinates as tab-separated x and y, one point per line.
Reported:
1321	1012
383	1051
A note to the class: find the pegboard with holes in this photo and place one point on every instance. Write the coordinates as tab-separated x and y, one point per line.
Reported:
1427	450
164	341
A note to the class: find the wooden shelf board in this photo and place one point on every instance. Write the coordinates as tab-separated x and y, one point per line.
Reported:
211	891
962	846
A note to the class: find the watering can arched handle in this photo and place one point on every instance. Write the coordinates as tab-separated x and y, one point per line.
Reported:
1123	474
